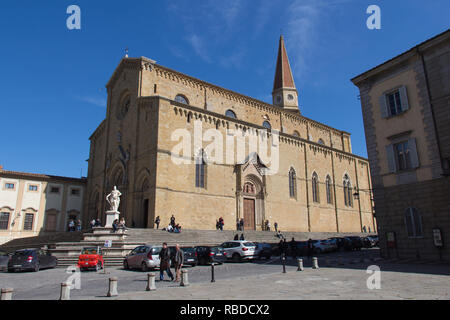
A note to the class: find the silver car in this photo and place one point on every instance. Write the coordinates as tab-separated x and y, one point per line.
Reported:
239	250
143	257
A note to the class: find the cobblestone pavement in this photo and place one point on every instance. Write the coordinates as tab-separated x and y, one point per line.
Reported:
341	276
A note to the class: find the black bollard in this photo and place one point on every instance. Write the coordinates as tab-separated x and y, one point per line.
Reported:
284	263
212	272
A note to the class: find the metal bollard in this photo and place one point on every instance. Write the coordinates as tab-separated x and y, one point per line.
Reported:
65	291
151	286
184	278
212	273
300	264
283	260
112	287
6	294
315	263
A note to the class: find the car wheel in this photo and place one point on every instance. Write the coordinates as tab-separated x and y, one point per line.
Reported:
236	257
36	268
125	265
98	266
144	267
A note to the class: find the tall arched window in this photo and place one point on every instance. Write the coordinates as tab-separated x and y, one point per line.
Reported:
200	170
230	114
315	187
266	124
348	197
413	222
182	99
292	184
329	190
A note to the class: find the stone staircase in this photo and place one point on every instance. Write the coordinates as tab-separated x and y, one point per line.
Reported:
68	245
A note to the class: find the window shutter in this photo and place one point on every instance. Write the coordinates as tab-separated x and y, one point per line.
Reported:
404	98
391	158
383	106
413	153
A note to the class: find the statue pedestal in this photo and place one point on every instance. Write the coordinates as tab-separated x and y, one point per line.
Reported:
110	217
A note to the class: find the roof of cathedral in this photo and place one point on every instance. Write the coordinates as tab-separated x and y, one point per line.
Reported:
283	73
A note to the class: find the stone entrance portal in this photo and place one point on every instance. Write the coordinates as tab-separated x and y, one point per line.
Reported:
249	214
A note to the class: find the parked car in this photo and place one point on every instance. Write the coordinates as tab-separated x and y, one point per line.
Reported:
264	250
340	242
32	260
370	241
91	258
239	250
320	246
302	248
355	243
190	256
4	258
332	245
207	255
143	257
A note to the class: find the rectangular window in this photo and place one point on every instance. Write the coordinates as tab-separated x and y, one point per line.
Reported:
403	156
28	225
32	187
75	192
9	186
54	190
395	104
4	220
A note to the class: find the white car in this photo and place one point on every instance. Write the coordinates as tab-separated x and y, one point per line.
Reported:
321	246
240	250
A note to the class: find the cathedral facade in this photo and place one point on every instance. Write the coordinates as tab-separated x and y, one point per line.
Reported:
146	147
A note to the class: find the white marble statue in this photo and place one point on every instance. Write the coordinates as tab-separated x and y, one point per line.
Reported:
114	199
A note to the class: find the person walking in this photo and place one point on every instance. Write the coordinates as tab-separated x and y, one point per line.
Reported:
241	224
178	261
268	225
293	245
157	221
164	258
78	225
221	223
310	248
275	225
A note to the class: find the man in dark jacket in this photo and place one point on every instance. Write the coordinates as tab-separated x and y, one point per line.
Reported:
164	258
293	246
178	261
310	248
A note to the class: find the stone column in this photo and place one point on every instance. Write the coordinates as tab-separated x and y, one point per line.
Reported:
300	264
184	278
65	291
112	287
6	294
151	282
315	263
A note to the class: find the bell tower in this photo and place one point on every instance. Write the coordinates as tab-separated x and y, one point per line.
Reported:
284	92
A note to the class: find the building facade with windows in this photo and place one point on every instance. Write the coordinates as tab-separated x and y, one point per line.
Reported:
406	111
134	149
36	204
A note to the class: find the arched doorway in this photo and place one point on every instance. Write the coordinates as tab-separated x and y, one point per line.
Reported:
253	203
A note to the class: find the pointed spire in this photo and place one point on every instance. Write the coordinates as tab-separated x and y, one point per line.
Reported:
283	73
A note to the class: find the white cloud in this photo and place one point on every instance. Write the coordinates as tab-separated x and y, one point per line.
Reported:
100	102
199	47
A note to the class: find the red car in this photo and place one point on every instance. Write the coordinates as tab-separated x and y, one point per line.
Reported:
91	258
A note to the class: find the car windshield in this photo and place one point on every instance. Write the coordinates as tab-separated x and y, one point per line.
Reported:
249	244
156	251
89	251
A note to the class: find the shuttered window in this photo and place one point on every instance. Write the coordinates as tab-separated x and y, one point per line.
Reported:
402	156
28	224
413	222
4	220
394	102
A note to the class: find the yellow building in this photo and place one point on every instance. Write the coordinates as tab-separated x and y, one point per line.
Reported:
305	183
37	204
406	110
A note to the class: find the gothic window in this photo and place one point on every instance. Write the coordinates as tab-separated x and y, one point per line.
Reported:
200	170
413	223
348	197
266	124
182	99
329	191
292	184
315	187
230	114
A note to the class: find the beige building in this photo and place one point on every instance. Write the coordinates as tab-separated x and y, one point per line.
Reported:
134	149
36	204
406	110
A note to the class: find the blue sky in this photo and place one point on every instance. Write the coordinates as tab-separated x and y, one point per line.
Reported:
53	79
